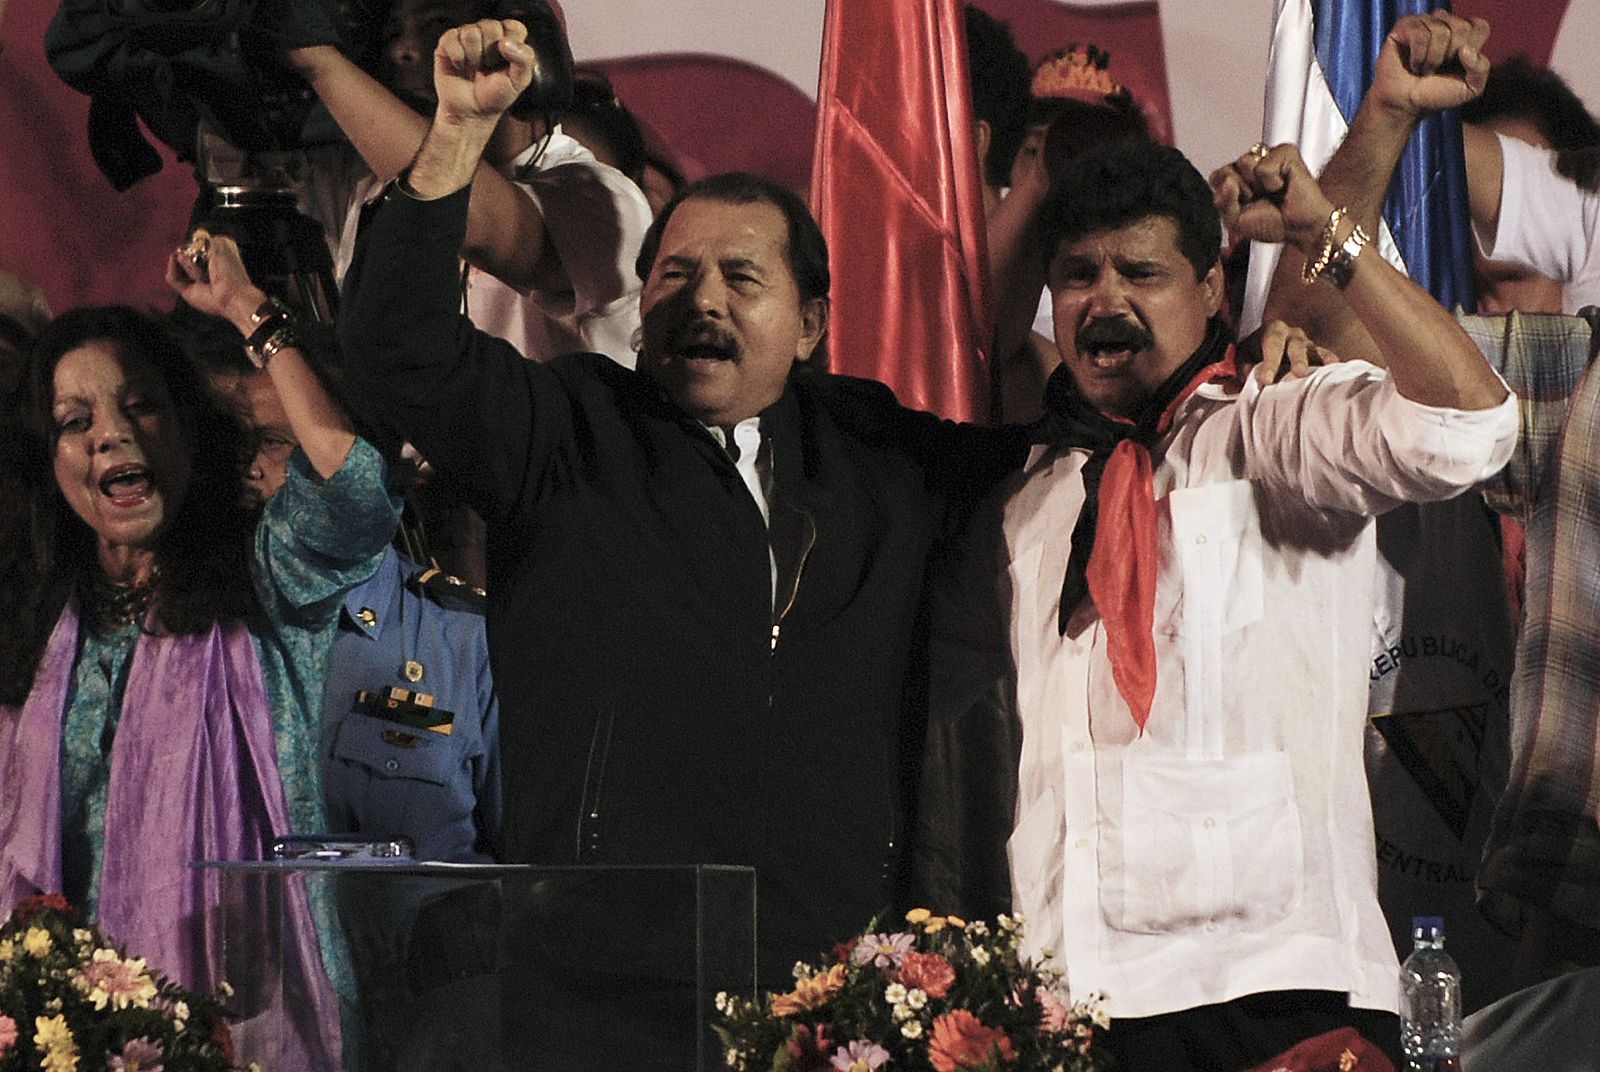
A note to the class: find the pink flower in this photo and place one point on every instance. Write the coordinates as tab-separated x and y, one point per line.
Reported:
138	1055
883	950
860	1056
1055	1017
961	1040
8	1034
928	972
122	984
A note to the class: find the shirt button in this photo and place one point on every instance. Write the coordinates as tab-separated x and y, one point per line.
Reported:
1077	746
1199	539
1083	843
1211	926
391	765
1209	822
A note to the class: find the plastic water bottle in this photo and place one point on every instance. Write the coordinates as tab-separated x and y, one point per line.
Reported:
1430	1001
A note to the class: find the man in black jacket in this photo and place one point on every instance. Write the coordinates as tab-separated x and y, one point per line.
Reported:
706	576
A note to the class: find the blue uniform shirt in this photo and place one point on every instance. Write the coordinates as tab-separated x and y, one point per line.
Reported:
386	778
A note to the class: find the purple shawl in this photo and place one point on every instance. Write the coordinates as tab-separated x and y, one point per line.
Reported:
194	776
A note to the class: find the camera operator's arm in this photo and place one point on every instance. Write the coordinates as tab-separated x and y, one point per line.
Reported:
1017	269
219	285
506	236
1430	358
1428	63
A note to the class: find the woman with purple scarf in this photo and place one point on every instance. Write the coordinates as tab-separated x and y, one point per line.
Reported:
162	647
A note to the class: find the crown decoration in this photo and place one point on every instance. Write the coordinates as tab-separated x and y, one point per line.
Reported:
1079	72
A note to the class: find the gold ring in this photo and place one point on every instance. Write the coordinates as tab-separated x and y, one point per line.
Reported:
1258	152
197	249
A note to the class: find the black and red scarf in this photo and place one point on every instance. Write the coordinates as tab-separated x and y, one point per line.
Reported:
1114	553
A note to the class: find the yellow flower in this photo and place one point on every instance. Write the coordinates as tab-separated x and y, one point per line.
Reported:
36	943
54	1039
8	949
918	915
809	993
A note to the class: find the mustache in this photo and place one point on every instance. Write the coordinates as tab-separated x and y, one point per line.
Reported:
1118	334
705	340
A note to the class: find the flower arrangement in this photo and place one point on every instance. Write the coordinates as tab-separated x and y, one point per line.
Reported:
941	995
70	1000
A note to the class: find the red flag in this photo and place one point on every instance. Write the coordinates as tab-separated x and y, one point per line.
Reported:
895	187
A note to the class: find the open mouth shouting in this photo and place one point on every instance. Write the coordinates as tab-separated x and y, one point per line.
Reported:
1111	345
127	485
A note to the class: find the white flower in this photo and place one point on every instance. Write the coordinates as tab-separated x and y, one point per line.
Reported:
916	999
980	956
801	970
894	994
1007	923
978	928
83	937
902	1012
911	1029
722	1001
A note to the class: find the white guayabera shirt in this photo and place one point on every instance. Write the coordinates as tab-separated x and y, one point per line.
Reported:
1228	849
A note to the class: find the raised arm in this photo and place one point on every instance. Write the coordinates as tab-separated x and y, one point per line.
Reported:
467	400
209	274
1271	197
506	235
1427	63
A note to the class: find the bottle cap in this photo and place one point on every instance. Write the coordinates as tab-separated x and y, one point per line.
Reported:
1427	928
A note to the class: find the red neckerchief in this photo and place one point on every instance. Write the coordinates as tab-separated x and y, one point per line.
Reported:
1122	567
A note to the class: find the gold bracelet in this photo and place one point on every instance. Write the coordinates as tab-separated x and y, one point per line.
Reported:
1342	264
1315	267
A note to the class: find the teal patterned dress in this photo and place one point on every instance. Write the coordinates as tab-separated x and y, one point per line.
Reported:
315	541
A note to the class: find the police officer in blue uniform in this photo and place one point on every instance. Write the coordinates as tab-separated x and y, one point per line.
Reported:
411	722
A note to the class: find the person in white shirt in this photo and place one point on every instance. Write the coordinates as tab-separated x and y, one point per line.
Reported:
553	233
1146	732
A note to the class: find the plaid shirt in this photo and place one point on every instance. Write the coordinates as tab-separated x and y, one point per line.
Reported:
1544	844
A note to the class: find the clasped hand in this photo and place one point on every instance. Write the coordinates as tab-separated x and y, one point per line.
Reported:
481	68
1267	195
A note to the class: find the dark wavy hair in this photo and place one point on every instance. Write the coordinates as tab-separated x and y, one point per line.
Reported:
1113	185
1002	90
45	547
1519	89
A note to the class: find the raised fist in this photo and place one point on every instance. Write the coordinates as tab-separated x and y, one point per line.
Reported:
480	69
1429	63
1267	195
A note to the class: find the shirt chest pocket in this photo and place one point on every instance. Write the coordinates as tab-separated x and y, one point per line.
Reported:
1213	583
1200	844
390	750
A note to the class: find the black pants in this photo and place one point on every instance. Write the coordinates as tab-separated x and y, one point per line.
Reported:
1241	1034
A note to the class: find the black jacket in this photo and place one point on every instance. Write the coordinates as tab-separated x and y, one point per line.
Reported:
652	710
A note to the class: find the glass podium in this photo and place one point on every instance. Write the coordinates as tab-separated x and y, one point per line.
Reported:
482	968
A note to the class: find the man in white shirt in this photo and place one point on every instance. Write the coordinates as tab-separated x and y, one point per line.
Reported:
553	233
1152	624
